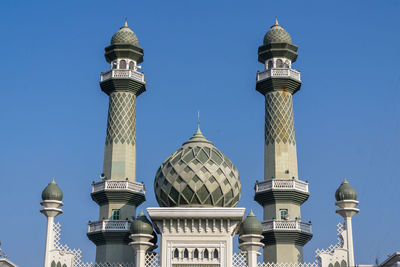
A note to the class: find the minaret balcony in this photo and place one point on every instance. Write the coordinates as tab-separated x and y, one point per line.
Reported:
108	230
117	79
277	231
278	73
109	225
118	191
278	79
286	225
122	74
273	190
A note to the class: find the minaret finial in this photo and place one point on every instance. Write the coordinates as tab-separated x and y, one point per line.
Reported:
126	22
198	120
276	20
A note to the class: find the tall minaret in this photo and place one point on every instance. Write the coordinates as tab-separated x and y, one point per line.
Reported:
118	194
281	193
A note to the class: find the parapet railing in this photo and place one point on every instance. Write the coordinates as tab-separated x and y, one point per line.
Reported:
282	184
132	74
286	225
109	225
281	72
118	185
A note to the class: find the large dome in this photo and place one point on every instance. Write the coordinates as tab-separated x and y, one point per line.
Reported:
125	36
197	174
277	34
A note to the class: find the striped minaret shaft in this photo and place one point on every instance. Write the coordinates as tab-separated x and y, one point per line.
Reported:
118	193
281	193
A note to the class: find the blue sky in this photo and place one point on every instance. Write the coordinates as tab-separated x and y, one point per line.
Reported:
199	55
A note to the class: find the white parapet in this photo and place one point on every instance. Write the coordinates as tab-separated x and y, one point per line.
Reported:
117	186
278	73
282	184
109	225
286	225
123	74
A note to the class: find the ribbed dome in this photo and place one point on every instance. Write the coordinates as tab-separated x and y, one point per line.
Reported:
251	226
345	192
141	225
277	34
197	174
52	192
125	36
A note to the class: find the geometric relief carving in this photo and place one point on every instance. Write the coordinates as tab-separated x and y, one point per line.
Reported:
121	123
279	123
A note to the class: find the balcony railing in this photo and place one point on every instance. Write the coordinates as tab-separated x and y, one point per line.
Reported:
286	225
277	73
282	184
124	74
109	225
118	186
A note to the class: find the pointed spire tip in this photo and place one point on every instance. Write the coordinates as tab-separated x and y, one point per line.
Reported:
126	22
276	20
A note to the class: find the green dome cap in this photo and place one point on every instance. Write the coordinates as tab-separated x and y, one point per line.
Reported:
197	175
52	192
277	34
345	192
125	36
251	226
141	225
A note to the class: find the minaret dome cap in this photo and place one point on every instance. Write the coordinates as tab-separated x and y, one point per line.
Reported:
277	34
141	225
345	192
125	36
52	192
197	175
251	225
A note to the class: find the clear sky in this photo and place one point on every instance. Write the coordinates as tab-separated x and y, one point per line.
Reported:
199	55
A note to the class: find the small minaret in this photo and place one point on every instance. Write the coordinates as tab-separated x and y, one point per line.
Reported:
250	237
281	193
346	200
118	194
52	200
142	235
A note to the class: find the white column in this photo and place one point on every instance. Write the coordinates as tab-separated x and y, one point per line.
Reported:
49	241
349	237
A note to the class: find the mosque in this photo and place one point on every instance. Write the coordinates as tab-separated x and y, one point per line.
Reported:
198	187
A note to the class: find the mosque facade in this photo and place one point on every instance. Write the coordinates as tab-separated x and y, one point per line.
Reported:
198	187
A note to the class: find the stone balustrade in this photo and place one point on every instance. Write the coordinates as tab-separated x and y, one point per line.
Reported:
286	225
278	73
122	74
282	184
118	186
109	225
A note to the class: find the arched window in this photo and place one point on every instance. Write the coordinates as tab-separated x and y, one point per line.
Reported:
64	265
196	254
205	254
337	264
122	64
215	254
279	63
186	253
287	64
270	64
343	264
58	264
176	253
114	65
53	264
131	65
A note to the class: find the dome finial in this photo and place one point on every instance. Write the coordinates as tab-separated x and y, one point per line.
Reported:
276	21
126	22
198	122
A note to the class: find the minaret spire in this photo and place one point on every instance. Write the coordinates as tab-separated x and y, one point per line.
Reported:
123	84
278	83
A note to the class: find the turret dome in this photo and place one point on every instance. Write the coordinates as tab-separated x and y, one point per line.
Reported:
125	36
277	34
251	226
345	192
197	174
141	225
52	192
